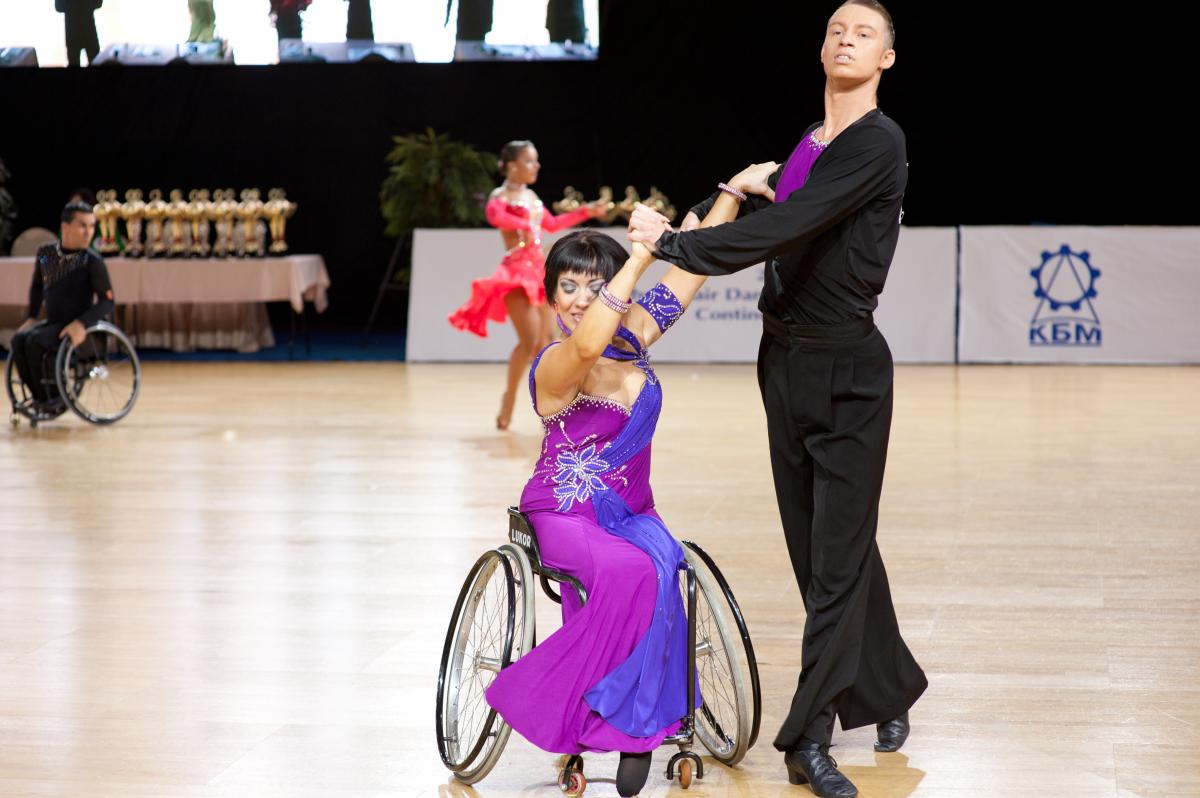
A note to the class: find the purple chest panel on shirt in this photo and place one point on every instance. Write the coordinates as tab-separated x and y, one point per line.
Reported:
798	166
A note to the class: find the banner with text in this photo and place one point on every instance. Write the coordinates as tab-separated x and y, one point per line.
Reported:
723	325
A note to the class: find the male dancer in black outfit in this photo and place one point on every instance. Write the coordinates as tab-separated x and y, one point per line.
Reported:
73	282
825	373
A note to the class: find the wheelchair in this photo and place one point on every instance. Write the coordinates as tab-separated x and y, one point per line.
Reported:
493	625
99	380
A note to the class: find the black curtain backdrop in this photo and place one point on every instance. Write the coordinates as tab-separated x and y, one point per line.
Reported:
1025	114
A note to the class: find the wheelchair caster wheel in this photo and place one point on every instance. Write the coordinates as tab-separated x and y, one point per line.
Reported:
571	779
33	423
685	774
573	784
15	420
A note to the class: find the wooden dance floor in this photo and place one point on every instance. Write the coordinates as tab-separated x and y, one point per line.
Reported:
243	588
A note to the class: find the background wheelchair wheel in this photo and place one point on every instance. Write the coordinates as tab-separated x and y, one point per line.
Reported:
728	720
491	627
21	400
100	379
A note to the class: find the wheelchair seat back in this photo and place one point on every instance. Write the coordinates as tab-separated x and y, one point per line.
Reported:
520	533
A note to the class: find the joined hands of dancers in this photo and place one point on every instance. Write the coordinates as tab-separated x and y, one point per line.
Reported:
647	224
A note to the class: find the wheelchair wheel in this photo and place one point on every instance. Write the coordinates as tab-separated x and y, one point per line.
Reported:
100	378
728	719
21	400
491	628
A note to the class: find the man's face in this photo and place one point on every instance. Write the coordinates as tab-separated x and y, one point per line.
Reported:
78	233
855	47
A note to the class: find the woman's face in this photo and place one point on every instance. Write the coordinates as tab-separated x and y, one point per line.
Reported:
525	168
574	295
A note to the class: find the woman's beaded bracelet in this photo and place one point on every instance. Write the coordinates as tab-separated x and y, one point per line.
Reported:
611	301
728	189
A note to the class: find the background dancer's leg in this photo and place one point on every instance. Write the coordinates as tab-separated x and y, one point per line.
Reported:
527	321
547	332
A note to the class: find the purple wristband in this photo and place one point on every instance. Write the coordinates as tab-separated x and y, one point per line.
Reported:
662	305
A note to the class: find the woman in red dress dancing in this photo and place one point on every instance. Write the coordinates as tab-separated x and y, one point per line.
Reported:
515	289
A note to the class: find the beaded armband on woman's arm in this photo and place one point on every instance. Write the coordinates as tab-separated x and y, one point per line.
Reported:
662	305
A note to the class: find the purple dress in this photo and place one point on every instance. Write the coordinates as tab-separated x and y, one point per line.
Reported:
613	677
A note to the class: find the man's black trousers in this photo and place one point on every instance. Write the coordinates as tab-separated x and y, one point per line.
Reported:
827	390
33	353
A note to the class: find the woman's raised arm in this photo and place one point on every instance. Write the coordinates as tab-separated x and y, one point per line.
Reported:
562	368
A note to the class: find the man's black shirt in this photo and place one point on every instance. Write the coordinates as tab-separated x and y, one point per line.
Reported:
828	247
73	284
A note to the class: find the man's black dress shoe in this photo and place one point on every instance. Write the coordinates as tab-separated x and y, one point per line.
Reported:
892	734
811	764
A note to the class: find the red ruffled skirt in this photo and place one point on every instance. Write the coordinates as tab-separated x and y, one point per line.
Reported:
523	269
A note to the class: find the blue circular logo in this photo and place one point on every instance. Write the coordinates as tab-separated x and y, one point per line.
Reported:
1065	278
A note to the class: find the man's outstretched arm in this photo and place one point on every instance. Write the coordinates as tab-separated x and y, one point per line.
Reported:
843	184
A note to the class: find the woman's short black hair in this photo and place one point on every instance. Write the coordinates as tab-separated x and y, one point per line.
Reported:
587	252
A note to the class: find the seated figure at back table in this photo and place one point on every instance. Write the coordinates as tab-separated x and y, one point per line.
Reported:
72	281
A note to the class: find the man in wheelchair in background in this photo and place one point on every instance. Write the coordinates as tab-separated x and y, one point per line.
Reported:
73	282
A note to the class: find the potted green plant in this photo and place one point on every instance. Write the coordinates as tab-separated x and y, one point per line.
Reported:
433	181
8	212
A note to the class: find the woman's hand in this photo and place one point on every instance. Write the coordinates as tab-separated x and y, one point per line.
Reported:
646	225
642	253
753	179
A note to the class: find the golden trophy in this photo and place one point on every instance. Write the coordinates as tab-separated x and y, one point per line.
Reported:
155	211
607	203
615	209
572	199
220	213
197	215
278	210
248	211
132	212
625	206
177	234
107	211
658	201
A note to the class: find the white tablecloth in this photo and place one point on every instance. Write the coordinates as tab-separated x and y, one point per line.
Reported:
187	304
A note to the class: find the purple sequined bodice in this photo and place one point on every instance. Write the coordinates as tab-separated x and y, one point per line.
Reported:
595	443
574	462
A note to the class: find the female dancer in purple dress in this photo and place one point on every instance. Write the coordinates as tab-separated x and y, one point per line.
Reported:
613	677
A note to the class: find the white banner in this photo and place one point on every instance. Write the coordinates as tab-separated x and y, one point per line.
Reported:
1080	295
723	324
